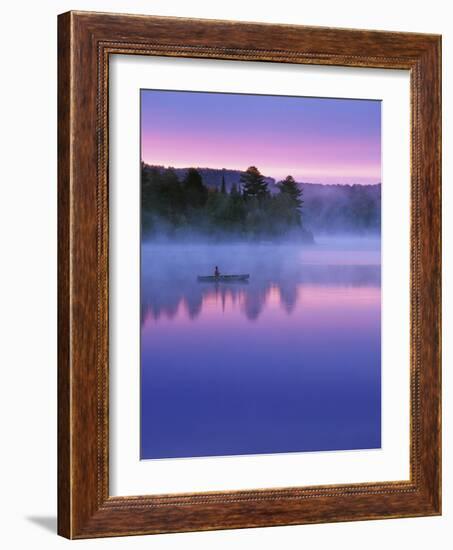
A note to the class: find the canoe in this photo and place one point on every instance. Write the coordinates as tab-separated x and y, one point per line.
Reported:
222	278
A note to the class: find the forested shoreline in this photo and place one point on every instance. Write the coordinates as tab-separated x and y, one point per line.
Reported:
174	206
231	204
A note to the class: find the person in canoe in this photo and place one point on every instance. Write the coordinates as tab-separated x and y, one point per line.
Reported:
216	272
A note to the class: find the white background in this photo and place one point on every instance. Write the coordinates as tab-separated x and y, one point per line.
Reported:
130	476
28	274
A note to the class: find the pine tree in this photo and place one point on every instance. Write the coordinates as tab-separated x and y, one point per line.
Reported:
253	183
289	188
195	191
223	186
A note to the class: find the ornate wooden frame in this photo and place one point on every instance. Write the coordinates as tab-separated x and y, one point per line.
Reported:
85	42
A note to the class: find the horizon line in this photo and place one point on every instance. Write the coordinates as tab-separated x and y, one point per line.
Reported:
264	175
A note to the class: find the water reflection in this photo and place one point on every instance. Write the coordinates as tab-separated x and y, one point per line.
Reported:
288	362
165	298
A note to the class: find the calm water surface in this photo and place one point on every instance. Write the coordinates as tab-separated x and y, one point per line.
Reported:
289	362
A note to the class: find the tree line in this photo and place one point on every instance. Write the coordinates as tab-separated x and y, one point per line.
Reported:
342	208
171	205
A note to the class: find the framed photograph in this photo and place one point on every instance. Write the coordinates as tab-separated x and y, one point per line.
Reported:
249	275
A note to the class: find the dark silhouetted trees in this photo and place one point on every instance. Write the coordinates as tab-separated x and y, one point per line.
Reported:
171	207
253	184
223	186
291	196
196	194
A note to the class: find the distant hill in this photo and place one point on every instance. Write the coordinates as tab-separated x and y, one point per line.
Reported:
212	177
327	208
338	208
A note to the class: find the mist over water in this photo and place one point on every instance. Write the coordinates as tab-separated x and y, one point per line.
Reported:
288	362
169	272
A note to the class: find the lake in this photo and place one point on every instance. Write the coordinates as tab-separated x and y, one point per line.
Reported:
288	362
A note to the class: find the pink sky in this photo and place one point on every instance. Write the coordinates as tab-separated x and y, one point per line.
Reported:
313	139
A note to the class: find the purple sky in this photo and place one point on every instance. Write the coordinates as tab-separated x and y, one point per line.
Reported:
313	139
